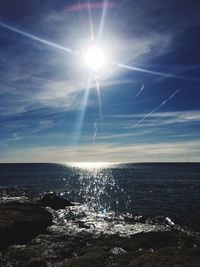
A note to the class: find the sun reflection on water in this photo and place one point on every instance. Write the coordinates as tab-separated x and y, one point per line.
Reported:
97	185
90	165
103	203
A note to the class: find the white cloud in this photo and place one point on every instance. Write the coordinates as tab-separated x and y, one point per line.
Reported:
159	152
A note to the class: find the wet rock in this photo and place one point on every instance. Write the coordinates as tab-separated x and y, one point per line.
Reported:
54	202
117	251
69	243
20	222
154	240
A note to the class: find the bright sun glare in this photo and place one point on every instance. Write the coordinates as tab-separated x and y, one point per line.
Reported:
90	165
95	58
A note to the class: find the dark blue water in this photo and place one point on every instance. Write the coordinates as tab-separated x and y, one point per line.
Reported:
164	189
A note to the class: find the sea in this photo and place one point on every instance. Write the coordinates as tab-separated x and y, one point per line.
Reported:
148	193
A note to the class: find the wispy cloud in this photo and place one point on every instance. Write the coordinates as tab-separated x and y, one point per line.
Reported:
157	122
126	134
165	117
176	151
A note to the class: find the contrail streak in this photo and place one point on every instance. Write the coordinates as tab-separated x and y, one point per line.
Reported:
140	91
157	73
38	39
162	104
95	132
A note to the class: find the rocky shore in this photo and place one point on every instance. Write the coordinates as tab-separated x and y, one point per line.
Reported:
53	232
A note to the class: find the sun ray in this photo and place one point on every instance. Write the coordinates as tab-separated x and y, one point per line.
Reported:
90	22
103	16
156	73
38	39
99	97
84	105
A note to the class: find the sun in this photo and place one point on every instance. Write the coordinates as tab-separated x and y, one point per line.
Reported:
95	58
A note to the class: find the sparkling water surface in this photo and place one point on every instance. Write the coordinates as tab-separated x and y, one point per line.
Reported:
171	190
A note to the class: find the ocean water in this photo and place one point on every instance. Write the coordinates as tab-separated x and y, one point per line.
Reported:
148	192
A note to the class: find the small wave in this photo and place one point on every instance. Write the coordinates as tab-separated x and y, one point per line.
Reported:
80	218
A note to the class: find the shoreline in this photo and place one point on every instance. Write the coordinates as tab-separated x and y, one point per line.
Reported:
74	240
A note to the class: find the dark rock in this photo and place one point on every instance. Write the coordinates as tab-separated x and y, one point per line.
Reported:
87	260
20	222
161	249
167	257
54	202
36	263
83	225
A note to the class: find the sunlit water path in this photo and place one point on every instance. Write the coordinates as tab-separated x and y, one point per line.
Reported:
134	192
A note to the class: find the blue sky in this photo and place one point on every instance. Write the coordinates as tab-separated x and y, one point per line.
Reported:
48	111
